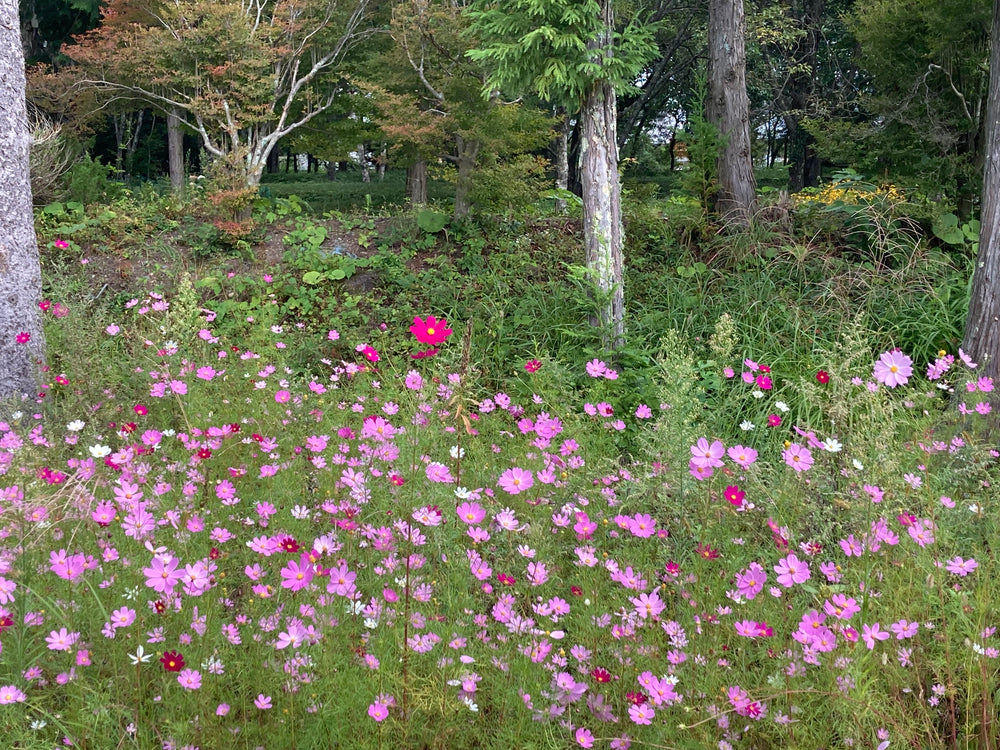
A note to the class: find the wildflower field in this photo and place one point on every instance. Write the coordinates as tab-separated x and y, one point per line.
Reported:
238	526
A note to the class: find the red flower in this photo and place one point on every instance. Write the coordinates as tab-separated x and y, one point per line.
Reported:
289	545
140	410
204	454
823	377
576	591
430	331
44	305
172	661
735	495
234	428
707	552
773	420
600	674
160	607
636	697
505	579
214	554
129	427
532	365
23	337
425	353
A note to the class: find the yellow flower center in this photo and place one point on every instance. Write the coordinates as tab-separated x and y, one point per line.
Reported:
430	331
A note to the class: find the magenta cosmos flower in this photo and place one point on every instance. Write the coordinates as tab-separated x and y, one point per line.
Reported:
430	331
893	368
516	480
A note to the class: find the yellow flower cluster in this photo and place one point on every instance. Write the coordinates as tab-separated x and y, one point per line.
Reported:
847	191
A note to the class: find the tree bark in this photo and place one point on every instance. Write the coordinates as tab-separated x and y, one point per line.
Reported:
468	153
366	173
562	156
603	235
728	110
982	326
175	151
20	273
416	183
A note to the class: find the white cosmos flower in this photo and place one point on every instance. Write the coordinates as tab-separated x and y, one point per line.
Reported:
139	657
99	451
76	425
832	445
746	425
857	464
781	406
457	452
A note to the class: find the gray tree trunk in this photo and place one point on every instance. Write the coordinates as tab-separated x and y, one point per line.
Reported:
562	156
175	151
366	173
728	109
468	153
416	183
603	235
20	274
982	327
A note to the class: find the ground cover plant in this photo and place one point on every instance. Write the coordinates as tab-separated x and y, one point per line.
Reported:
446	521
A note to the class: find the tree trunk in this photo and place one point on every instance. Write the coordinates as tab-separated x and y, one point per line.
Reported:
331	170
416	183
175	151
603	236
728	110
20	274
562	156
803	161
982	327
383	158
366	173
468	153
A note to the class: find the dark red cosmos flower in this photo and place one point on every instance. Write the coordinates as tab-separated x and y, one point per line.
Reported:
172	661
707	552
823	377
289	545
600	674
532	365
159	606
204	453
424	354
234	427
214	553
636	696
576	591
505	579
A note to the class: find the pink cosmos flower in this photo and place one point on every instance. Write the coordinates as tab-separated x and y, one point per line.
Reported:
642	714
516	480
893	368
471	513
189	679
584	737
798	457
960	567
705	454
751	581
12	694
296	575
263	702
378	711
162	576
596	368
742	456
791	570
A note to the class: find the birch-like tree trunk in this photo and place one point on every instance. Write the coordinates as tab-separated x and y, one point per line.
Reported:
603	235
728	109
982	326
22	344
175	150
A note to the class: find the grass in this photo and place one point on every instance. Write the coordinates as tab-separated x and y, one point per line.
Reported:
516	542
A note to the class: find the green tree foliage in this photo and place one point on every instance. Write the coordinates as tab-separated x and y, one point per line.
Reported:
242	74
432	104
929	77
